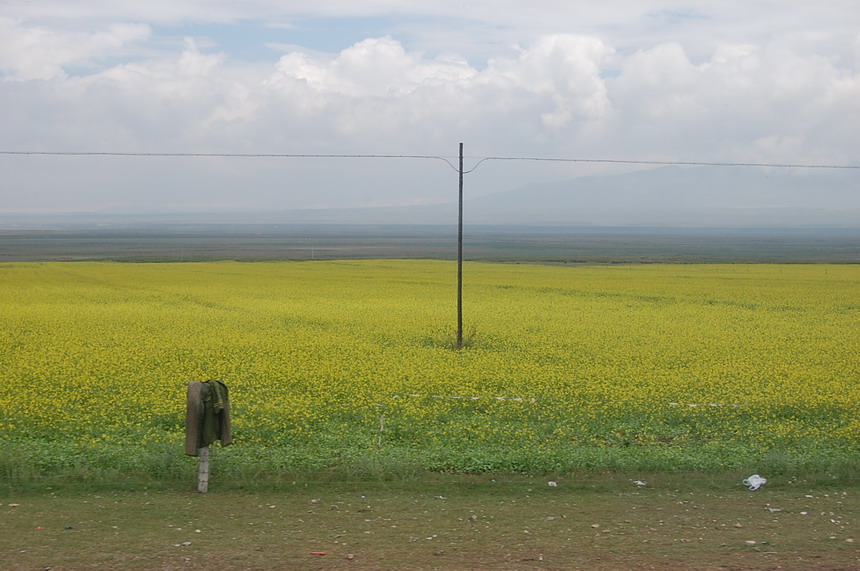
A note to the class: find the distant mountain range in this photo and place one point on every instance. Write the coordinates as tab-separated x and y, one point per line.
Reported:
684	197
669	196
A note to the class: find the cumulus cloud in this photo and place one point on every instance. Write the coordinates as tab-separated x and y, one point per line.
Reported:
34	52
551	84
375	67
737	103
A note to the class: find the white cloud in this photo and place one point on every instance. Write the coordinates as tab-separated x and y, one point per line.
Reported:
375	67
35	52
565	69
727	106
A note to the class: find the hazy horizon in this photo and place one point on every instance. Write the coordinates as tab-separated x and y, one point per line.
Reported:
699	197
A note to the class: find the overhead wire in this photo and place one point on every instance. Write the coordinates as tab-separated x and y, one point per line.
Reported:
227	155
447	159
663	163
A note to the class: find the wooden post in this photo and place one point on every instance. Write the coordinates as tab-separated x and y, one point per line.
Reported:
203	471
460	260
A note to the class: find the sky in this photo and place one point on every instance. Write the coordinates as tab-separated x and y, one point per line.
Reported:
764	81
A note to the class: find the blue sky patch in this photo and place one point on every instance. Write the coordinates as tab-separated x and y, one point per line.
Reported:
249	41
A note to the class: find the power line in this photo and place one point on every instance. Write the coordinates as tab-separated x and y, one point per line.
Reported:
226	155
232	155
664	163
445	159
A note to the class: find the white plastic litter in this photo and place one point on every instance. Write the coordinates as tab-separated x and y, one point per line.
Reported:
754	482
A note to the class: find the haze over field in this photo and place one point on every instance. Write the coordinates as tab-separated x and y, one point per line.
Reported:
655	80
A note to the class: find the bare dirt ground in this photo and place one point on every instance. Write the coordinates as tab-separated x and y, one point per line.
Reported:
443	522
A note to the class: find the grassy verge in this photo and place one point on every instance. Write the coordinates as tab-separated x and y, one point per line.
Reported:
34	463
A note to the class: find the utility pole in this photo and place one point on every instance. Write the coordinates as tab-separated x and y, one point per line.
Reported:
460	260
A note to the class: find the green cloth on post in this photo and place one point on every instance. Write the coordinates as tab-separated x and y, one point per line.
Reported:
208	416
216	414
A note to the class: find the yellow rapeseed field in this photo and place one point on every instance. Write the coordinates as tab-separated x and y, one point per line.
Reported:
346	355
